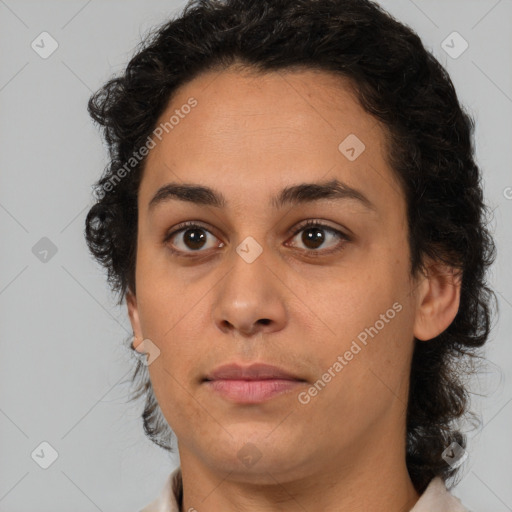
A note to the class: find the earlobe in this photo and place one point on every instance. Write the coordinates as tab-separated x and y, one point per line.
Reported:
438	301
133	313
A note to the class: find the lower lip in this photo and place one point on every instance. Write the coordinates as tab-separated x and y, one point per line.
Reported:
252	391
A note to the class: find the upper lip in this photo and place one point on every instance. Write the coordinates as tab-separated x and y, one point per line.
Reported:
256	371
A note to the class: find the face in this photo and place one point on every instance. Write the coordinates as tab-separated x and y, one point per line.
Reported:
331	303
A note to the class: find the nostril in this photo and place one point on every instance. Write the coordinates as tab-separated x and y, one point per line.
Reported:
227	324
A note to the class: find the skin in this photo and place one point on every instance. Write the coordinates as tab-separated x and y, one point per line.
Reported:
248	137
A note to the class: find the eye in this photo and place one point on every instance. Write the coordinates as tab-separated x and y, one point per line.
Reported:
313	237
189	237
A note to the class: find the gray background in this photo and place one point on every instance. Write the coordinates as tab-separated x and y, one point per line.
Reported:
62	362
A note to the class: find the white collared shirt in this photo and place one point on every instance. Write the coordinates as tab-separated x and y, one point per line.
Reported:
436	498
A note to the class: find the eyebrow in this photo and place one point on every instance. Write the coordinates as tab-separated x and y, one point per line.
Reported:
291	195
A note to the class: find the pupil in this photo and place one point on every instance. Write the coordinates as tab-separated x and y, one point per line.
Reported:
314	236
194	238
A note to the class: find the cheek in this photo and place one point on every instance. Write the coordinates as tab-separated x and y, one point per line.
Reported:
354	300
171	377
374	370
160	298
174	399
372	320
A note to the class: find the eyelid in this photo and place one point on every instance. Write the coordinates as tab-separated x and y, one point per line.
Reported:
317	223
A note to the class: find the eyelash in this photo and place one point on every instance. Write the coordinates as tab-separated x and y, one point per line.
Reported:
308	224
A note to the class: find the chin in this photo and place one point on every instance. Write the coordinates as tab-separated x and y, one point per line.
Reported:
259	459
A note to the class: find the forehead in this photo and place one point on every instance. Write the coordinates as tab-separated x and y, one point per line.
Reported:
257	133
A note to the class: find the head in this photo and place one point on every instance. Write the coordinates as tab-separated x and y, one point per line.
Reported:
249	119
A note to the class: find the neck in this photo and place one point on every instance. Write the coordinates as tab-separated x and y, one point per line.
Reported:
375	480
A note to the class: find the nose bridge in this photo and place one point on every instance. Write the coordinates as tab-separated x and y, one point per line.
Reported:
249	296
249	271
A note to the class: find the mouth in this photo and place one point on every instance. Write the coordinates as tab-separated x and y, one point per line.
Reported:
251	384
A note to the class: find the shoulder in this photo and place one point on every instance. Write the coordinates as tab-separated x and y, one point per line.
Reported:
437	498
167	501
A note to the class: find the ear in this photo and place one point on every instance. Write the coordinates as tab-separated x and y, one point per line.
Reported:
133	313
438	301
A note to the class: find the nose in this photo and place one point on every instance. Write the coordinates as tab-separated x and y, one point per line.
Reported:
251	299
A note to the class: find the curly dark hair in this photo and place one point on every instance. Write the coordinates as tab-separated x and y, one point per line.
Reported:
430	149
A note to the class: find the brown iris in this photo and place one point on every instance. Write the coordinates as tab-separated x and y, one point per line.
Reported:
194	238
313	236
